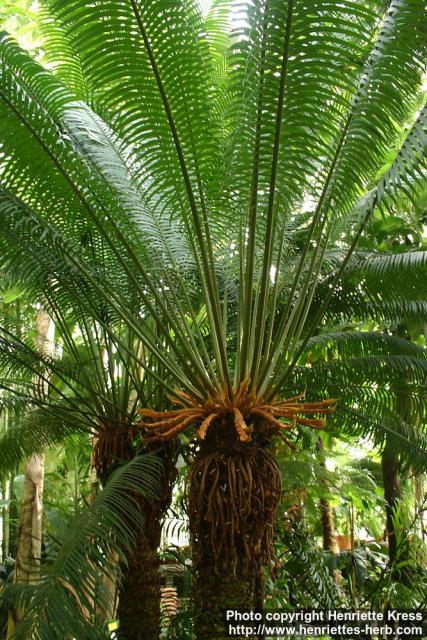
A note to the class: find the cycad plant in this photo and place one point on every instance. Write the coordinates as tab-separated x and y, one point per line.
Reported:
92	387
199	168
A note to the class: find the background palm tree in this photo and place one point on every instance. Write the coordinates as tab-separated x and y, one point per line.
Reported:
163	171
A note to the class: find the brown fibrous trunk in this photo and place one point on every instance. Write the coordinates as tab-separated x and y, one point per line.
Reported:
327	526
139	593
234	492
139	589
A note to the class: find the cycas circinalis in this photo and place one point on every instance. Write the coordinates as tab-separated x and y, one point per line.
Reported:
188	172
366	368
93	387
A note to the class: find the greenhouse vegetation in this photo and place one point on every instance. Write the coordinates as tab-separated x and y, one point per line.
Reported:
213	313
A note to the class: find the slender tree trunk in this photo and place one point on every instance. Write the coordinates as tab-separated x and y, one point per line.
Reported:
30	519
419	501
392	494
9	512
5	492
29	543
326	514
27	568
13	516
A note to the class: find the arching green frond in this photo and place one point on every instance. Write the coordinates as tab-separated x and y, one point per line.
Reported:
357	344
13	404
379	396
87	162
35	432
209	169
379	285
181	57
403	176
409	164
107	179
382	369
359	216
388	268
315	581
379	426
60	56
74	272
73	583
408	170
163	90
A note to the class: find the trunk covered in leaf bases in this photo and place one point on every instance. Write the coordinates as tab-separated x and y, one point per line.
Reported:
327	525
233	497
139	594
234	491
213	594
139	591
139	588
